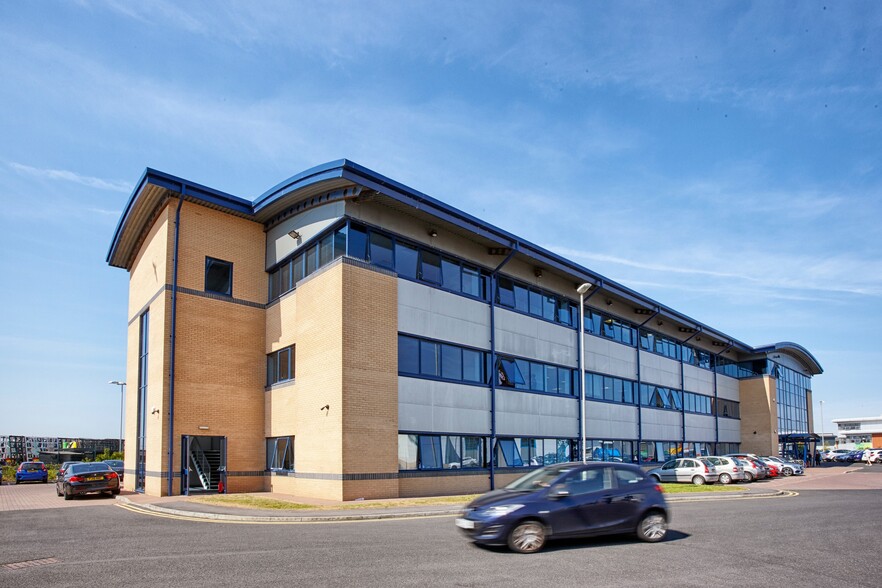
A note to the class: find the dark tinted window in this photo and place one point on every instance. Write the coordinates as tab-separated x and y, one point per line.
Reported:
218	276
381	250
430	267
406	260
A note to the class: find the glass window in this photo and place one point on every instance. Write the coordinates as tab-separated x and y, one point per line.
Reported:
326	250
551	383
452	452
406	260
451	274
340	242
524	366
357	242
280	366
505	296
381	250
549	307
430	267
472	452
407	452
430	452
218	276
285	278
508	453
509	374
537	376
564	381
408	355
298	269
429	359
472	366
451	362
310	260
280	453
521	299
563	312
535	303
471	281
275	285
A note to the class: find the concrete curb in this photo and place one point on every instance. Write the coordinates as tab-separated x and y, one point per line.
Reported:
377	516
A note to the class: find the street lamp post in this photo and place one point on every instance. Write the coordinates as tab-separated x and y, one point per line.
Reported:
582	290
823	443
122	395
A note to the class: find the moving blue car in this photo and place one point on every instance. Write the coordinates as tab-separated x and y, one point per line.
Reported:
32	471
568	500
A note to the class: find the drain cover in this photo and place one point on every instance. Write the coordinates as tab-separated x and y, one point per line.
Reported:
30	564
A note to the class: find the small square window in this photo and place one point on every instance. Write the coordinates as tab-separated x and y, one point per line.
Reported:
218	276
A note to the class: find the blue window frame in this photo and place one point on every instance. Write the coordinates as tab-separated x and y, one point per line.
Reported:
440	452
436	360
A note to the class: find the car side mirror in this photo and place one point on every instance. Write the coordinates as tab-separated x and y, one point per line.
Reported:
558	491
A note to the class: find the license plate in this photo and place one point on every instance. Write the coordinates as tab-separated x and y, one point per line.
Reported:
465	524
94	478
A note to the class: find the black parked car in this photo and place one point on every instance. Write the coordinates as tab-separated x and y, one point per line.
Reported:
568	500
82	478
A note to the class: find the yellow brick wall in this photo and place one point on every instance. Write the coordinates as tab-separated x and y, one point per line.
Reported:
759	412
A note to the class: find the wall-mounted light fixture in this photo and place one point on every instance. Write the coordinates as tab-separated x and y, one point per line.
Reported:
642	311
154	410
326	407
203	427
608	302
433	233
293	234
537	272
659	323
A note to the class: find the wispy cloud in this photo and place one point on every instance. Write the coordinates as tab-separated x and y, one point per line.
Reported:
69	176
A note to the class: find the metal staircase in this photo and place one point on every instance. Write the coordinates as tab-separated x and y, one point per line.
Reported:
206	464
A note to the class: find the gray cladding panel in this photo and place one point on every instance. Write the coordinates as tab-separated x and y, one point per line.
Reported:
431	406
309	224
728	388
610	421
532	338
698	380
659	370
610	358
661	424
730	430
536	415
700	428
430	312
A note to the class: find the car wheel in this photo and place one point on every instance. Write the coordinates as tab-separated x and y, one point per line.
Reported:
67	494
57	491
787	472
652	527
115	492
725	478
698	481
527	537
748	477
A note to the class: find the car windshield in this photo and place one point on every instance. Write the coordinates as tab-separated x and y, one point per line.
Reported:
536	480
84	468
114	463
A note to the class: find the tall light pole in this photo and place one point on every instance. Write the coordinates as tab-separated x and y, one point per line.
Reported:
122	395
582	290
823	443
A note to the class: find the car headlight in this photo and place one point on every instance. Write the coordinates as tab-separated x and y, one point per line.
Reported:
502	510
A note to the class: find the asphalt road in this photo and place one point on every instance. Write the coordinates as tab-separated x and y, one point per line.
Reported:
818	538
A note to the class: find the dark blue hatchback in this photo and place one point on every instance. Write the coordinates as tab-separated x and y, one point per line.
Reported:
568	500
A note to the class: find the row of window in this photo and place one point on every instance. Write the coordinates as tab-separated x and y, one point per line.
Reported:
419	357
445	452
431	359
609	327
536	302
326	249
280	454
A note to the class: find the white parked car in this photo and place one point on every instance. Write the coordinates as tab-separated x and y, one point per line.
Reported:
872	456
834	453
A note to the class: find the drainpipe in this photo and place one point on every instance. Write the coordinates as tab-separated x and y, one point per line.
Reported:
171	369
639	386
493	374
683	384
716	396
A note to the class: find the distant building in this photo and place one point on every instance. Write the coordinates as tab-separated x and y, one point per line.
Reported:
860	432
344	336
20	448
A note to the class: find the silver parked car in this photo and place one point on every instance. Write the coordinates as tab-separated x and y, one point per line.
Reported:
728	468
786	467
754	467
687	469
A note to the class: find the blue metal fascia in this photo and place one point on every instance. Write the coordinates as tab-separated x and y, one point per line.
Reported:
179	186
325	171
787	345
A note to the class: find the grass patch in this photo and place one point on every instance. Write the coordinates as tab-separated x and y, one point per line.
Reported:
686	488
264	503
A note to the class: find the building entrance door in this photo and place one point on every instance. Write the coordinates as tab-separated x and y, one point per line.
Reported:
203	464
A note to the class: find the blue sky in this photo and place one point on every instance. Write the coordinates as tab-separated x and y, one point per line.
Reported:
723	158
